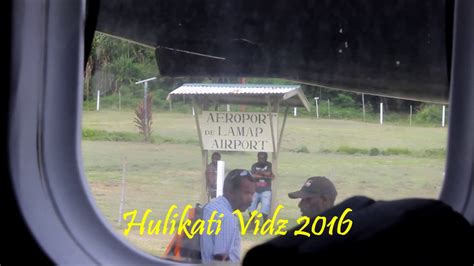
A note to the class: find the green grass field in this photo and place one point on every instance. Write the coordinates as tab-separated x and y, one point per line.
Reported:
161	174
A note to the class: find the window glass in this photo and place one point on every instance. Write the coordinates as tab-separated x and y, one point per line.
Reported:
130	168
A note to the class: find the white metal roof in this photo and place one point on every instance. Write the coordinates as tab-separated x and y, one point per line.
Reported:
192	88
255	94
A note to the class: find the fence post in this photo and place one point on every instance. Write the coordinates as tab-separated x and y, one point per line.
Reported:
317	106
411	113
444	116
329	110
120	100
145	98
122	196
381	113
98	100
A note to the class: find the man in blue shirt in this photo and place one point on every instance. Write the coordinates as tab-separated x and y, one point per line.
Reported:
239	187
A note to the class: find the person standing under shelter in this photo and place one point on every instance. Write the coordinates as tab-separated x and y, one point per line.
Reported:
211	175
316	195
239	188
262	171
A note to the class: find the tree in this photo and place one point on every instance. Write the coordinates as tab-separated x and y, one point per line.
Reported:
114	63
143	118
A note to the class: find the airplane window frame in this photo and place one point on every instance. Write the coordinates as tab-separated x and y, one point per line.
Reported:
45	124
54	197
458	186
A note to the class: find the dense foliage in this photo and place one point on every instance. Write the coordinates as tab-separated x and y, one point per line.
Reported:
115	65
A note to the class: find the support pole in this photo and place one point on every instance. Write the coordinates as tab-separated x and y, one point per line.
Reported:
203	195
270	116
411	113
280	137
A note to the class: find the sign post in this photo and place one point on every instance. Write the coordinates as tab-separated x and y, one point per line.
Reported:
443	118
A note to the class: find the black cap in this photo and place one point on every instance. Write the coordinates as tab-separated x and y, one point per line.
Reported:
316	185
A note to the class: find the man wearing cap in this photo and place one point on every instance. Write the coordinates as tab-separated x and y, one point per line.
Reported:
239	187
317	195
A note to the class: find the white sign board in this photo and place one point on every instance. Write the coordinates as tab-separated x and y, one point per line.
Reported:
238	131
